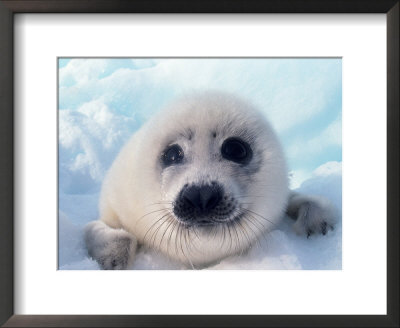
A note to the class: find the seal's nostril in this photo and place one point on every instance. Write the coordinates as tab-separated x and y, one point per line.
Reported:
191	197
202	198
211	202
210	197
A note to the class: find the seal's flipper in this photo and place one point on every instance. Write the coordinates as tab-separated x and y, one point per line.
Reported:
312	214
113	249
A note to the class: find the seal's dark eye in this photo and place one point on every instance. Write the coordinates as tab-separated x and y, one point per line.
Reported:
172	155
236	150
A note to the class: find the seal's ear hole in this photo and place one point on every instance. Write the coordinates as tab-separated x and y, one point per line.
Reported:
172	155
236	150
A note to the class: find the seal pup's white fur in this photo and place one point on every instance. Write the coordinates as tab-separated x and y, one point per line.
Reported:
138	193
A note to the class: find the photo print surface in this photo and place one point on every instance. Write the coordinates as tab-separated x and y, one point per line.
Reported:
200	163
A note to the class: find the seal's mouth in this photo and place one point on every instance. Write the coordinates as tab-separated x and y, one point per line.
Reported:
210	221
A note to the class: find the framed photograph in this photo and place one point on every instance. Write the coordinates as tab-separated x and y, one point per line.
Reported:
243	158
201	213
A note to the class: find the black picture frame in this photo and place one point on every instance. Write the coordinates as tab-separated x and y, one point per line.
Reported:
10	7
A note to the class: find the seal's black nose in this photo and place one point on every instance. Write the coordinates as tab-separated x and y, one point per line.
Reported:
202	199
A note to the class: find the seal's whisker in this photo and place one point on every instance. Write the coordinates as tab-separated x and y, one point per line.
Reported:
239	214
188	245
230	236
152	212
237	236
195	232
178	227
243	230
180	240
259	215
170	234
247	221
165	231
223	238
261	227
191	242
151	227
154	235
185	232
215	228
159	203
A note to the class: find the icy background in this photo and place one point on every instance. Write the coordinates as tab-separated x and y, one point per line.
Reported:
103	101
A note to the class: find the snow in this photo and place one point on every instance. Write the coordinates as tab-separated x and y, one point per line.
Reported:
103	101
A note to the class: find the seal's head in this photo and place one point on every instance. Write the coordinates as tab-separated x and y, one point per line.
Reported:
206	178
